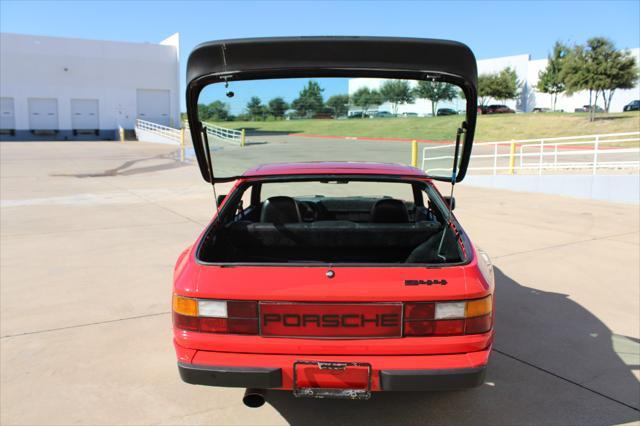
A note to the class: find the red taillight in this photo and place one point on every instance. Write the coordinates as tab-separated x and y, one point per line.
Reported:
213	325
448	327
241	309
418	328
229	325
334	320
478	325
215	316
419	311
186	323
448	318
243	325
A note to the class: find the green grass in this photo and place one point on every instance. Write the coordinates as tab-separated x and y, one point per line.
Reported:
489	128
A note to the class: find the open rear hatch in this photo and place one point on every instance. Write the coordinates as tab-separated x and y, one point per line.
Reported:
437	61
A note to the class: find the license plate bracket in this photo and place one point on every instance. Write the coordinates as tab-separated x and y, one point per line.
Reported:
332	367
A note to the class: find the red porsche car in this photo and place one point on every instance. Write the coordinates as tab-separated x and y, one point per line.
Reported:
370	283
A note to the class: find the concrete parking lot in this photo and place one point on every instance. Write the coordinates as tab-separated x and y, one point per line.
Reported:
90	232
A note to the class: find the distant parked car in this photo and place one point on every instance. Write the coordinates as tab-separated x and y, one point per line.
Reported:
382	114
632	106
446	111
358	114
541	110
587	108
495	109
409	114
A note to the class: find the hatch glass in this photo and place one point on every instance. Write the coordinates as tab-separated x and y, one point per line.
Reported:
248	123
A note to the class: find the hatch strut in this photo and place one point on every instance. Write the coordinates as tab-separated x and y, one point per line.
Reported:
454	174
207	153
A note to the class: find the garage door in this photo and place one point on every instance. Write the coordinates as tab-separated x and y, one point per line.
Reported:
154	106
84	114
43	114
7	114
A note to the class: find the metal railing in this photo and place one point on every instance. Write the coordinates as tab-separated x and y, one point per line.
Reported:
167	134
583	153
158	129
225	134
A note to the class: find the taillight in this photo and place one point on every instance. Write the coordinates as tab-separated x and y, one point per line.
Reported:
419	318
448	318
215	316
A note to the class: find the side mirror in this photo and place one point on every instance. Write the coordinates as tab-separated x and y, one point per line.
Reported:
220	199
450	201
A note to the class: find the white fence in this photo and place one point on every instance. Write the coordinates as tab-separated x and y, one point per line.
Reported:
152	132
227	135
578	153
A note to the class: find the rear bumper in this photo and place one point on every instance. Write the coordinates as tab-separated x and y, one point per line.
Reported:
431	380
389	373
389	380
233	377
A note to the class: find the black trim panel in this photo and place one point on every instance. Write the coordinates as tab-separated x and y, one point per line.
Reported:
431	380
235	377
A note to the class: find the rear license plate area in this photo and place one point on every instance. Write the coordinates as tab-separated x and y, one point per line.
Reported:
329	379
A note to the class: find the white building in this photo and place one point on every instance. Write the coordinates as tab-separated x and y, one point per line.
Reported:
67	88
527	71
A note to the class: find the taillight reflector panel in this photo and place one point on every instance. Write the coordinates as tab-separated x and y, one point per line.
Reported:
334	320
448	318
215	316
419	311
478	325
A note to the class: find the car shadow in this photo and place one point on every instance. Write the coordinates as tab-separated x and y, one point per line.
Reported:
554	362
167	162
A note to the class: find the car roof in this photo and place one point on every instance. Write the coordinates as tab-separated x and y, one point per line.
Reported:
333	168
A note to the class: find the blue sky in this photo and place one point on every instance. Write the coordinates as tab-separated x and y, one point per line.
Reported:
497	28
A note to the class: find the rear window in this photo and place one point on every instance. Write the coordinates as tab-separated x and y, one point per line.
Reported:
337	189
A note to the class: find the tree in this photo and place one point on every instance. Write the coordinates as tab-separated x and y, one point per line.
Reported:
435	91
611	69
215	111
600	69
365	98
309	100
577	74
550	79
500	86
505	85
277	107
255	109
339	104
484	88
622	74
396	92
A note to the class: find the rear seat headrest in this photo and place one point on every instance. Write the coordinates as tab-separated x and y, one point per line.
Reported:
280	209
389	210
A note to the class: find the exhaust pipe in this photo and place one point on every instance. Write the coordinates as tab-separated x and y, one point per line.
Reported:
253	398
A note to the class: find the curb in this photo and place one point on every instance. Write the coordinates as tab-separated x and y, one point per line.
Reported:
362	138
